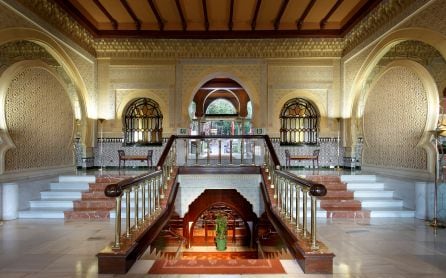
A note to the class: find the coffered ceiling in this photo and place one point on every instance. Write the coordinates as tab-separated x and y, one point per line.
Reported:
218	18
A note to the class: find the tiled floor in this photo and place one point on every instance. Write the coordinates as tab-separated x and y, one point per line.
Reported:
381	248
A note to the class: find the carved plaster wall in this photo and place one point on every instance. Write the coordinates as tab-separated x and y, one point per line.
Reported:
133	81
312	80
40	121
395	116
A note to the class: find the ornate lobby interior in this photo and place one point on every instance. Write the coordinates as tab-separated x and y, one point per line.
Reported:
222	138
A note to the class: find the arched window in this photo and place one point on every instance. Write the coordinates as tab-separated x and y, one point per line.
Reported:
298	123
143	123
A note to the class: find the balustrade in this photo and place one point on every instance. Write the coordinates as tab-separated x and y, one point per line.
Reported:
290	193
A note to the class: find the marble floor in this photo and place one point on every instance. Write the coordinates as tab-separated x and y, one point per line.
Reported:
377	248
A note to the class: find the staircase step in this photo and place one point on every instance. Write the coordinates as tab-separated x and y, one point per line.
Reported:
341	205
61	194
373	193
86	179
93	204
81	186
338	195
42	213
358	178
51	203
391	212
87	215
349	214
353	186
380	202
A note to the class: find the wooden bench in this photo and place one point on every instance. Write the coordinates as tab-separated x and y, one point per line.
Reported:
314	157
123	157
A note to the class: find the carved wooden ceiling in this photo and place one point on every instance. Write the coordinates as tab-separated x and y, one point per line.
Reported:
218	18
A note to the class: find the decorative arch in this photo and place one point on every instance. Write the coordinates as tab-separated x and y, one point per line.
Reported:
229	197
189	92
430	37
5	81
60	55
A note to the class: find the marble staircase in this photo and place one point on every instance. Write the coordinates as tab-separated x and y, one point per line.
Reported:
375	197
58	198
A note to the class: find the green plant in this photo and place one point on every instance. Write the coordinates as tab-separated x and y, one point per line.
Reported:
221	223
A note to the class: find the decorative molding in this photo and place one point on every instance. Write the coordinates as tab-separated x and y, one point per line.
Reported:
59	18
241	48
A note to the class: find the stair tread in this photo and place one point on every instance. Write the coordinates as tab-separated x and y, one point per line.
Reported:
384	199
42	209
389	209
55	200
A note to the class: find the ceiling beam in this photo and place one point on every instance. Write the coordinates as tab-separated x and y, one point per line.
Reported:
205	13
256	13
180	11
157	15
231	14
332	10
107	14
280	14
300	21
132	14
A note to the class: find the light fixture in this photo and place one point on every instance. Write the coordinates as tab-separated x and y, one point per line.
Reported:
440	131
101	157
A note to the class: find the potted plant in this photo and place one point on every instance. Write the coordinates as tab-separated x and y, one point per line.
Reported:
221	227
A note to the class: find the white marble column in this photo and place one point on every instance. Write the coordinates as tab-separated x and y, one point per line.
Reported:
10	201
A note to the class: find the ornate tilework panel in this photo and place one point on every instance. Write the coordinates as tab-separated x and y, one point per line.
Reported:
394	118
40	121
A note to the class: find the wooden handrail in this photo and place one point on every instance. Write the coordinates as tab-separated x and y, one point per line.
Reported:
165	152
116	189
315	189
272	152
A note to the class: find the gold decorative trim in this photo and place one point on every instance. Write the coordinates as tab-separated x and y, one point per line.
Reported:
246	48
60	19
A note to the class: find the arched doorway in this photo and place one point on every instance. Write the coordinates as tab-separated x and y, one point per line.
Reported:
202	212
221	107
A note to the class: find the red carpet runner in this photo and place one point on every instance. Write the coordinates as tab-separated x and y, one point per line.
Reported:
213	266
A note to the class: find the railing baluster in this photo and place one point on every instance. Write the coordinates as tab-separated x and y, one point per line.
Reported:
186	150
136	208
230	152
242	150
196	151
117	243
291	202
208	147
158	191
127	212
143	202
298	188
219	152
304	216
253	151
313	223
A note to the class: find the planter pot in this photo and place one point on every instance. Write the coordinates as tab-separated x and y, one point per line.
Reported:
221	244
